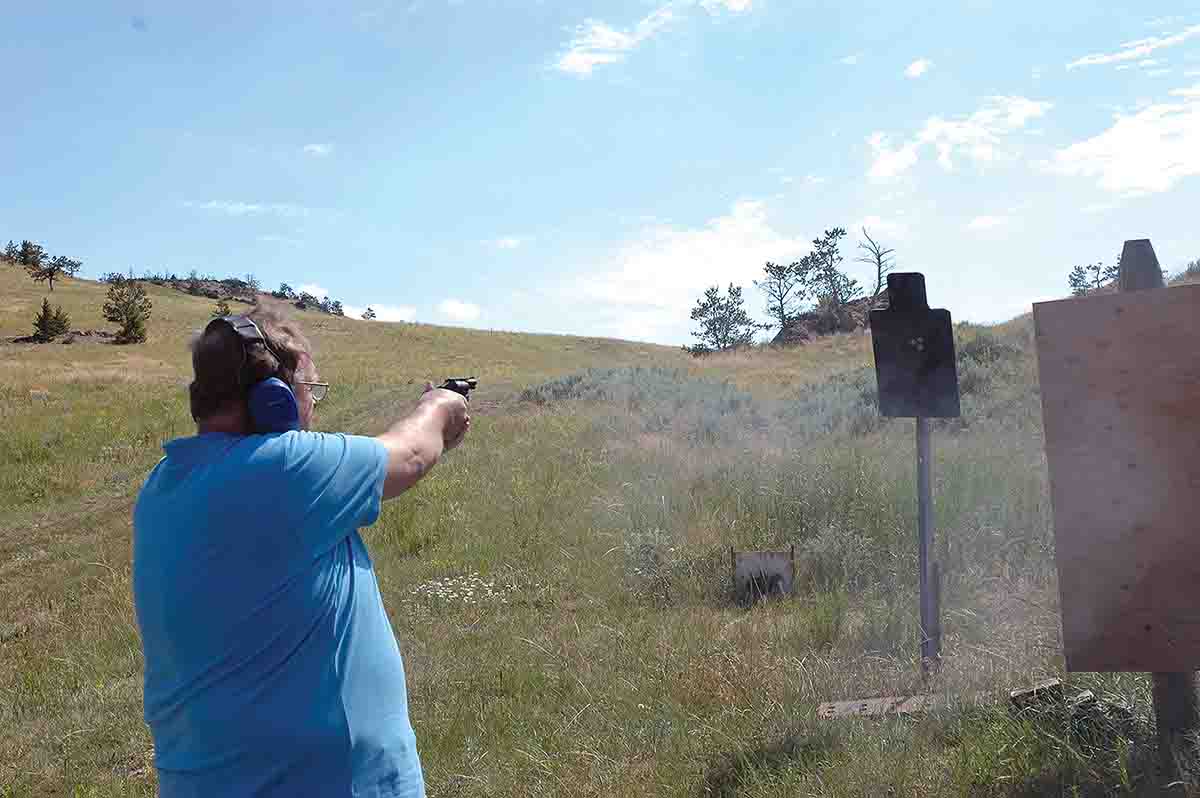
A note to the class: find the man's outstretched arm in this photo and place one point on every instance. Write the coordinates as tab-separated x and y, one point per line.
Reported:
416	442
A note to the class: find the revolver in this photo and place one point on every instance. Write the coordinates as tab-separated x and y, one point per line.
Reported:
461	385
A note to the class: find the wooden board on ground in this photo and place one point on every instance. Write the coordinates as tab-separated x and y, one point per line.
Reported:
897	705
1120	383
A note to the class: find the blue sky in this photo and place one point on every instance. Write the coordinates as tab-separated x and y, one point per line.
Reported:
589	168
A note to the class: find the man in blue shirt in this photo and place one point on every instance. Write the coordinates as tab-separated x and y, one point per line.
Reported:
271	668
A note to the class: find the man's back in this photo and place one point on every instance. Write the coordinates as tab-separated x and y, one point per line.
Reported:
271	668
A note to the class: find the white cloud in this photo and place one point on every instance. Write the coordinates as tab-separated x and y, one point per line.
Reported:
736	6
987	222
509	242
238	208
383	312
596	43
879	227
649	288
1134	50
1149	62
1142	153
889	161
319	150
918	68
787	180
1158	73
850	60
278	239
312	288
458	310
813	180
977	137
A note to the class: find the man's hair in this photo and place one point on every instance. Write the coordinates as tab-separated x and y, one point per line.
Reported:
225	367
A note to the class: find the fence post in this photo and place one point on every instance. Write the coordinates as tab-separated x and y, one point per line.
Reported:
1176	711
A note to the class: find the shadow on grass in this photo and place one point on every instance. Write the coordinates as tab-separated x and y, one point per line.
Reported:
727	774
1093	751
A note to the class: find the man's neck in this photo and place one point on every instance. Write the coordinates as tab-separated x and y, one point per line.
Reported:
229	424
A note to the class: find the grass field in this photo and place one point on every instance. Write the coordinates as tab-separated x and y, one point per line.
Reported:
559	584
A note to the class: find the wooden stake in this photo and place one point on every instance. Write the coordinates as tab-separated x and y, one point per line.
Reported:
1176	710
930	644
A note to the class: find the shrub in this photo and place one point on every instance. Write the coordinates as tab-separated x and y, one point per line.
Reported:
127	304
50	323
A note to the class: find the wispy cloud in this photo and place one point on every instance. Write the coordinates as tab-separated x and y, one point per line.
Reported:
879	227
315	289
987	222
918	68
458	310
239	208
850	60
1146	152
813	180
1134	50
318	150
278	239
736	6
383	312
596	43
977	137
509	242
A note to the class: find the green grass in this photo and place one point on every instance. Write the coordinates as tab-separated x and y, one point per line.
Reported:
601	506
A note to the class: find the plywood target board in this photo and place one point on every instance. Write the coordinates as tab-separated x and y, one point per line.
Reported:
1120	383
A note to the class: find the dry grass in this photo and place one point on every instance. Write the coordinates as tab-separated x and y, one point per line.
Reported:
604	658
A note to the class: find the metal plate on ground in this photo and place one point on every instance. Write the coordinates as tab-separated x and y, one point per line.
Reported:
762	574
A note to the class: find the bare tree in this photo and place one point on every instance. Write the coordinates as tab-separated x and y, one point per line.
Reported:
879	256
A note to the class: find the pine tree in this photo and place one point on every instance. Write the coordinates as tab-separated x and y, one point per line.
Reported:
1085	279
61	322
784	291
43	323
128	305
724	322
11	253
50	323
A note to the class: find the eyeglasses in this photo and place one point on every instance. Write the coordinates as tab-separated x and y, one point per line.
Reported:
318	389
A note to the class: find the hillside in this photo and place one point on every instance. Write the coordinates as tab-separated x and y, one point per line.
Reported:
559	584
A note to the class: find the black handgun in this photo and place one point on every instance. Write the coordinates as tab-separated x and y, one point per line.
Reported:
461	385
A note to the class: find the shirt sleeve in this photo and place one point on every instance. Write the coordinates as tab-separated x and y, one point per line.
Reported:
337	481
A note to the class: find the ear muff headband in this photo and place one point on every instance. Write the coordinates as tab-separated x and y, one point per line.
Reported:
271	402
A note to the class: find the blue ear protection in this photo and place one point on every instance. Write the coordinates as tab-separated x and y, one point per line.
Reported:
271	402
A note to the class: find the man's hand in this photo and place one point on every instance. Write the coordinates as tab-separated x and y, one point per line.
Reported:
453	406
438	423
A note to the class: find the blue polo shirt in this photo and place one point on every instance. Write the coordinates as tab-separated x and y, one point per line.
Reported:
271	666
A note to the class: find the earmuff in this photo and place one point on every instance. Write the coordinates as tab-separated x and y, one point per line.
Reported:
271	402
